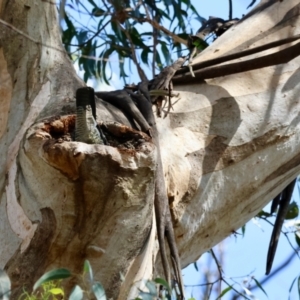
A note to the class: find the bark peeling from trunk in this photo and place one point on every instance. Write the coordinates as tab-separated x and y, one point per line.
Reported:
20	268
96	190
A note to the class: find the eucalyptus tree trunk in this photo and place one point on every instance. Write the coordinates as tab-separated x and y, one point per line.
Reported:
228	147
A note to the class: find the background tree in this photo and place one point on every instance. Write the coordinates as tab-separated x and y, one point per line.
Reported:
64	201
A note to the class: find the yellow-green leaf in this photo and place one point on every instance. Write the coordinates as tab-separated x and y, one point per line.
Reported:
57	291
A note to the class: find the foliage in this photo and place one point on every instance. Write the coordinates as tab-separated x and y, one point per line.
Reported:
52	275
49	286
292	214
4	285
128	31
51	289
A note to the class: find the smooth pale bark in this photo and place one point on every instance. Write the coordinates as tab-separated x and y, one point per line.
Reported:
228	147
247	129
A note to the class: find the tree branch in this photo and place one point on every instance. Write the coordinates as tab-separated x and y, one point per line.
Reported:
221	275
175	37
280	57
134	58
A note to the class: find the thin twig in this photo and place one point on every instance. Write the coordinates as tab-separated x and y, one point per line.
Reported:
272	274
156	25
288	239
221	275
201	284
217	263
278	269
84	43
134	57
154	39
285	234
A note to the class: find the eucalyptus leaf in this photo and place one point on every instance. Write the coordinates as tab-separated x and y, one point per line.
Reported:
99	291
87	268
151	287
5	285
196	267
297	238
76	294
52	275
260	286
98	12
293	211
163	283
56	291
243	230
146	296
229	288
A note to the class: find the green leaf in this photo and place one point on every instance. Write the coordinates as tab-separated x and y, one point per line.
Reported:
178	45
92	3
147	33
4	285
243	230
144	55
52	275
98	12
293	211
291	287
151	287
68	34
99	291
165	52
224	292
87	268
198	42
297	238
119	34
163	283
122	69
196	267
158	61
82	36
56	291
263	214
136	38
146	296
76	294
260	286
